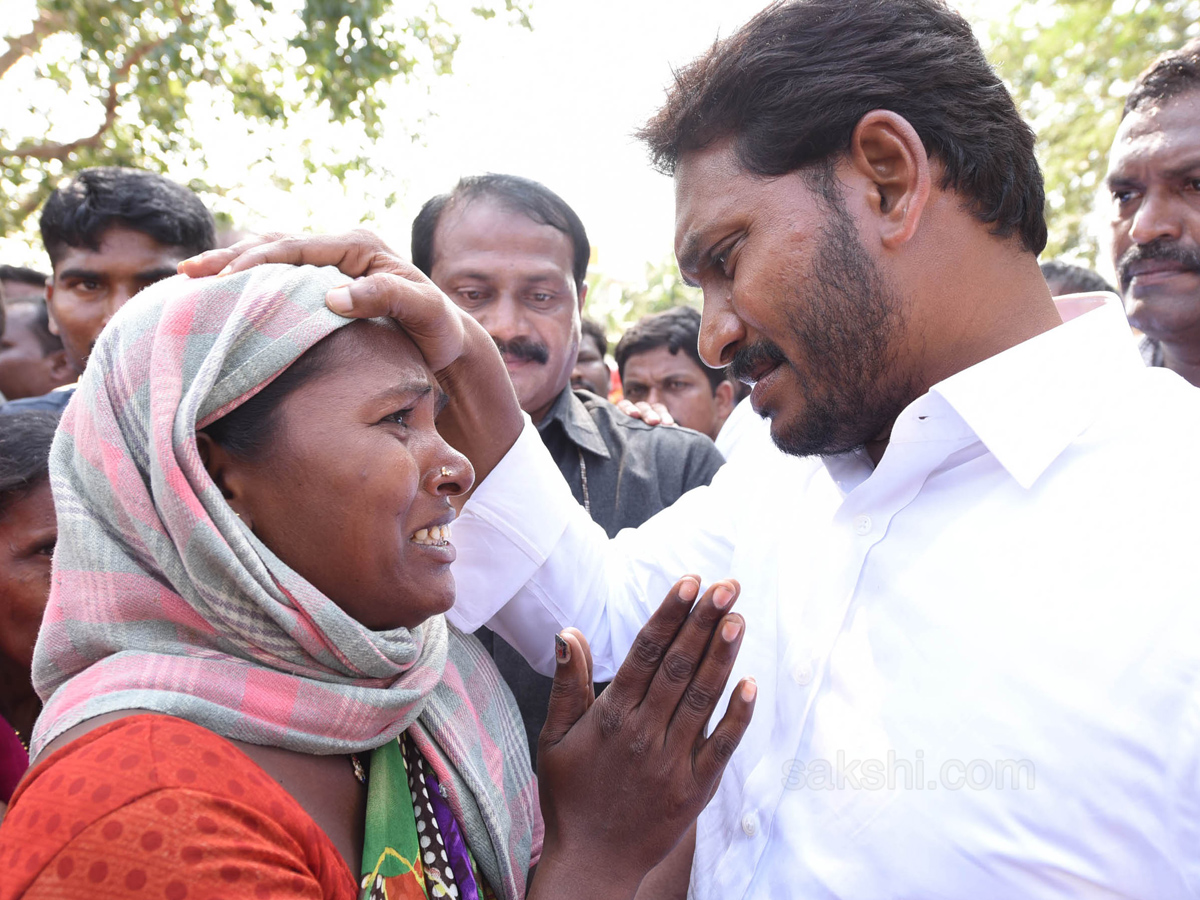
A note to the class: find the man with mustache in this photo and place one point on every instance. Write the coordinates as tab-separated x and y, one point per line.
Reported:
513	254
1154	181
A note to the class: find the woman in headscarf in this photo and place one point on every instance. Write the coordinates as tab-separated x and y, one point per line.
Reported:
250	688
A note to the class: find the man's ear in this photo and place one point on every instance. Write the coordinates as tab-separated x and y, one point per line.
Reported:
887	151
724	398
60	367
228	474
49	295
582	296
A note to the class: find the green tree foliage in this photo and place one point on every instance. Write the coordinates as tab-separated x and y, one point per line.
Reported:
139	65
1070	64
616	306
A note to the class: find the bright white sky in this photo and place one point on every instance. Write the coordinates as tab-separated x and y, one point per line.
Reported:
558	104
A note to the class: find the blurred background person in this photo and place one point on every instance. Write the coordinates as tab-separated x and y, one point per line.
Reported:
32	359
1066	278
20	283
27	537
591	372
1153	170
653	370
110	232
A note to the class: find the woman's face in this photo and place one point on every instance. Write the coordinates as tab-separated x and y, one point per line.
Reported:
27	534
355	477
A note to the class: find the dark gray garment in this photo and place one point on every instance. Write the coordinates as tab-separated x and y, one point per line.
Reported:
633	471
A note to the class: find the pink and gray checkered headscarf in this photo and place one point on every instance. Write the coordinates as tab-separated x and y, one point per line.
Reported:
163	600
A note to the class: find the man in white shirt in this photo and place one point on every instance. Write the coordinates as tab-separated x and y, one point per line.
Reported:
970	592
970	686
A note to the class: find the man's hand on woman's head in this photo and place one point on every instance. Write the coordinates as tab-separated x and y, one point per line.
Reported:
624	776
483	418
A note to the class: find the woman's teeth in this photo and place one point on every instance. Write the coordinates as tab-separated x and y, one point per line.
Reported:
433	537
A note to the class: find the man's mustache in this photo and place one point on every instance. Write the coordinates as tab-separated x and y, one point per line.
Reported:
754	358
525	349
1161	250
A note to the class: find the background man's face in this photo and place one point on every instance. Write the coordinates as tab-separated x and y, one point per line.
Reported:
591	371
674	380
1154	180
89	286
26	370
15	291
513	276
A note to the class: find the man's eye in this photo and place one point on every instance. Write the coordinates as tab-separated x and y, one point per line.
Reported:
86	285
472	295
1122	197
543	298
674	385
635	392
399	417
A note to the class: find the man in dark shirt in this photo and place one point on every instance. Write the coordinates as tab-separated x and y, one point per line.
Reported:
1153	172
514	255
110	232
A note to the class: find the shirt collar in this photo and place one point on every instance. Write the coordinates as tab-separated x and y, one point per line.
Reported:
1028	403
577	423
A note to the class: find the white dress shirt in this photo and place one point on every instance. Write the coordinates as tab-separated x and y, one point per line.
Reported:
978	663
744	428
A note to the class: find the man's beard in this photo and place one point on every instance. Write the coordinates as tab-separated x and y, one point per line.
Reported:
846	326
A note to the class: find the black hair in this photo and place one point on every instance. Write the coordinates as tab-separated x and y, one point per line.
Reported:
1171	74
792	84
677	328
25	439
22	275
1076	279
79	212
247	431
520	195
594	330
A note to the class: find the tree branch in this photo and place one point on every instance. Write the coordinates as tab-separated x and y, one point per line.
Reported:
62	151
46	24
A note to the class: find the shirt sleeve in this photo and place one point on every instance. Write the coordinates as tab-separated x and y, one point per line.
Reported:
532	562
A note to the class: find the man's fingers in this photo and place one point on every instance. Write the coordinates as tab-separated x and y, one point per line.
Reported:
628	687
571	694
356	254
716	750
434	323
708	683
660	410
682	659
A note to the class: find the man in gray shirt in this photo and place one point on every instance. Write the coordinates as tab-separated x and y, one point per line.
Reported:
514	255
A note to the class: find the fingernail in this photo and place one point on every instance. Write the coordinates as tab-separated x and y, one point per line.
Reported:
749	690
722	596
731	629
225	271
339	300
688	589
562	650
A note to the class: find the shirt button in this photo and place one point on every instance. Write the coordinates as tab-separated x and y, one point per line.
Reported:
750	824
802	673
862	524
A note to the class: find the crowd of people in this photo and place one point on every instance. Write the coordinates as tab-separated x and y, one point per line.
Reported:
331	572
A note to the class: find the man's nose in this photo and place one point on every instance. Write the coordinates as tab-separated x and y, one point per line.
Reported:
654	395
1157	217
504	319
720	330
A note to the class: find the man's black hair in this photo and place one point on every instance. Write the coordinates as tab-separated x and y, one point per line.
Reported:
519	195
22	275
39	323
676	329
594	330
79	212
791	85
1171	74
1075	279
24	453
